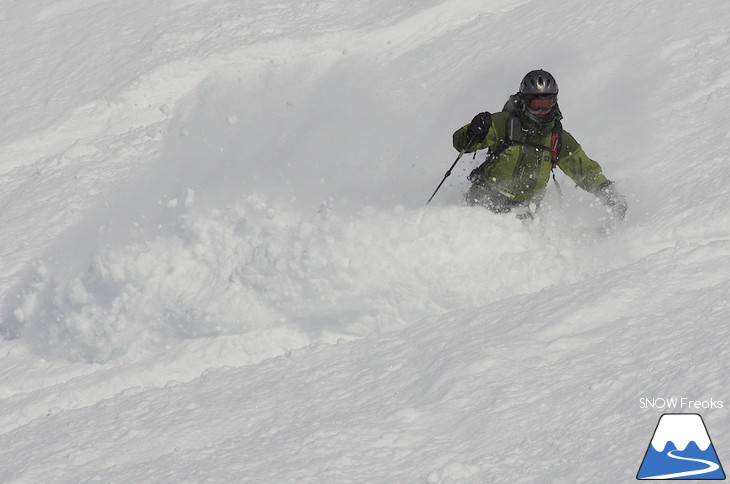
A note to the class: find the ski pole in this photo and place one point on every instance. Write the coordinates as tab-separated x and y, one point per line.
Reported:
448	173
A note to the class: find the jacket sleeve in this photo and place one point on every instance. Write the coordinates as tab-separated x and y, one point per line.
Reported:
585	172
459	138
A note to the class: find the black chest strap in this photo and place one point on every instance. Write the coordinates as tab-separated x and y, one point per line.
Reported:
515	136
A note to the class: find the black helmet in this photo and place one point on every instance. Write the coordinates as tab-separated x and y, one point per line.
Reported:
539	95
538	83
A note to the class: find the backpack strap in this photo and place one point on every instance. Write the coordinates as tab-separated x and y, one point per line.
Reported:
513	136
556	142
514	106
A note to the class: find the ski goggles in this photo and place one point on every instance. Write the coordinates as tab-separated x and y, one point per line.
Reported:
541	104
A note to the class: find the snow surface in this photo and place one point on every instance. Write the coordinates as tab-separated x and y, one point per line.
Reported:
216	264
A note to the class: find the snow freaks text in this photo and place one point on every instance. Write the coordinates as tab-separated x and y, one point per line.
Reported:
676	403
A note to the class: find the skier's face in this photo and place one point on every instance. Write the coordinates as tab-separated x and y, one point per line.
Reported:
541	106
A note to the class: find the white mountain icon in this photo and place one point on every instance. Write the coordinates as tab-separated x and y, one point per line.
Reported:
681	449
680	428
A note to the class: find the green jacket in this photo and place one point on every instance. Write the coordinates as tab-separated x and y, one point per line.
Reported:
522	172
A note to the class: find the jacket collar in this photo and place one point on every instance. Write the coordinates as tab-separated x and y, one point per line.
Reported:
547	125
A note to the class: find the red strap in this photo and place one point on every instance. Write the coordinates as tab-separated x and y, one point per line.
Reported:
555	148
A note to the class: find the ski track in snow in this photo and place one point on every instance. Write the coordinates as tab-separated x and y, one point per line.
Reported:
216	259
711	467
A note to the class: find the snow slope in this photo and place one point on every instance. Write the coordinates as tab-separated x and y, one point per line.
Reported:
216	264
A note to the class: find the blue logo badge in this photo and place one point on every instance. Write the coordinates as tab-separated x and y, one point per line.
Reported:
681	449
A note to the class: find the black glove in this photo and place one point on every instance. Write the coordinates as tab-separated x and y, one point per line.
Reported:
610	197
478	128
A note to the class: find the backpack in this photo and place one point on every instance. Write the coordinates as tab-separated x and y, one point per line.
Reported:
514	136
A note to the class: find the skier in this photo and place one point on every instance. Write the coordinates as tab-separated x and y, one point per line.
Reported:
526	142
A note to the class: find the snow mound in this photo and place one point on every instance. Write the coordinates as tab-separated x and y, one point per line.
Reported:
256	269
